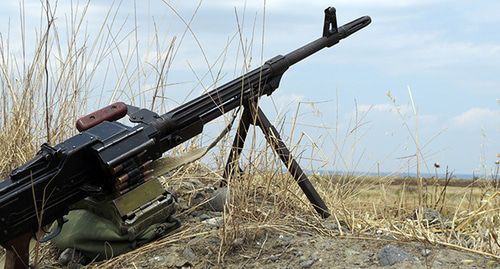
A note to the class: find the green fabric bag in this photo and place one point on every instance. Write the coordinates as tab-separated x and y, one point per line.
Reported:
99	238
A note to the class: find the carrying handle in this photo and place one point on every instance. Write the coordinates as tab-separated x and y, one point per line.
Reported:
112	112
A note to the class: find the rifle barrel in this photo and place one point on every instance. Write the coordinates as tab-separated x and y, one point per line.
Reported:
327	41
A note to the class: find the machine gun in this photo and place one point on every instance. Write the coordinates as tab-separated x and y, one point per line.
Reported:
109	157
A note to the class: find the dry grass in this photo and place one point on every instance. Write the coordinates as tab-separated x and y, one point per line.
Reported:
41	98
262	201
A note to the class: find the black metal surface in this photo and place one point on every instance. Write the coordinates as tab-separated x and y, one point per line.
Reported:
330	23
142	115
232	164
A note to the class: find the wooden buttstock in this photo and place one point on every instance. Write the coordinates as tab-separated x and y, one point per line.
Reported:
112	112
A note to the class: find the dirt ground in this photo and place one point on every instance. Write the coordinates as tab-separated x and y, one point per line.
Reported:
280	251
305	251
197	244
278	247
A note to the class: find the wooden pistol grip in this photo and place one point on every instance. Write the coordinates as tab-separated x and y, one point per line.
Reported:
17	252
112	112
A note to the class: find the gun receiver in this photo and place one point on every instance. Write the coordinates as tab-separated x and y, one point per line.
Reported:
108	157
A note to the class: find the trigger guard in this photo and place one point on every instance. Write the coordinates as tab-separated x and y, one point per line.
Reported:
57	230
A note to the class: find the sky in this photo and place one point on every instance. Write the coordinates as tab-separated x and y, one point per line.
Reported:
422	73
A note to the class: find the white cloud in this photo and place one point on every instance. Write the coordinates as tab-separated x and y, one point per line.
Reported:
477	115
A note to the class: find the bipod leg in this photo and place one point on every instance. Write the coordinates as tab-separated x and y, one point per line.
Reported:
274	139
232	164
17	253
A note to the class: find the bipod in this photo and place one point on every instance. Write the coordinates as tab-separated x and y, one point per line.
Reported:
252	114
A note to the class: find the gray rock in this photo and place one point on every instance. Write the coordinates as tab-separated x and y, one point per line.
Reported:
390	255
426	252
315	256
307	263
428	214
216	214
197	183
188	253
196	213
334	227
298	253
197	199
218	199
351	252
71	257
238	242
388	237
331	226
204	216
214	222
157	259
183	205
286	239
274	258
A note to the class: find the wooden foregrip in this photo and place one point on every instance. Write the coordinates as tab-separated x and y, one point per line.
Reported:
112	112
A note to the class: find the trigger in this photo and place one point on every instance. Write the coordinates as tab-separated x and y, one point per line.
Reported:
56	231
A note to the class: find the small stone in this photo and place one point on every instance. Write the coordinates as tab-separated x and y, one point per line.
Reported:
74	266
390	255
182	204
331	226
346	231
157	259
351	252
188	253
388	237
307	263
218	199
214	222
196	213
285	239
467	261
315	256
204	216
197	199
426	252
71	256
492	263
274	258
216	214
238	242
197	183
428	214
